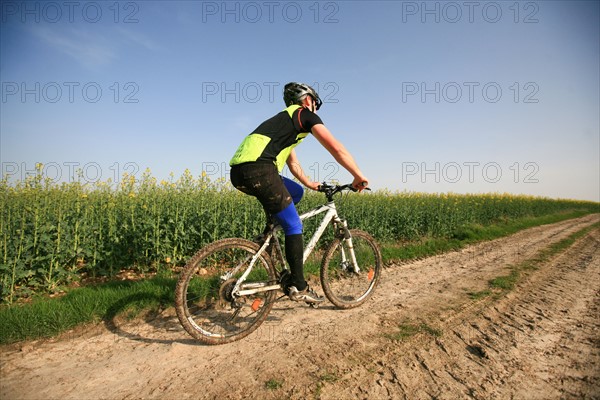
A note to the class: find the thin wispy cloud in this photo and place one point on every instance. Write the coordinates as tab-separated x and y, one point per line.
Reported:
88	49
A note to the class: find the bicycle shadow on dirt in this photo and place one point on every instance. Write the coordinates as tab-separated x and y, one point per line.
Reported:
159	325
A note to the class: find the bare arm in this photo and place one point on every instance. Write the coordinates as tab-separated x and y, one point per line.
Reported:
296	170
339	152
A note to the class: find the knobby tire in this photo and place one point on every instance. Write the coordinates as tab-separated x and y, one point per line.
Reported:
203	301
345	288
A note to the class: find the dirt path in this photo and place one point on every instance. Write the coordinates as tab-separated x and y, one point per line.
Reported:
542	340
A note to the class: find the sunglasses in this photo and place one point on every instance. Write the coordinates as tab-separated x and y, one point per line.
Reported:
318	101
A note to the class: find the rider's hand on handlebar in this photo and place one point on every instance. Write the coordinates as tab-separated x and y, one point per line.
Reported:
360	183
313	185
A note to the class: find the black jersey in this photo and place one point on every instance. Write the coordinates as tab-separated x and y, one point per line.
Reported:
274	139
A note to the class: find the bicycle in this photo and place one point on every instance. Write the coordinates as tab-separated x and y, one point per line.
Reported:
227	289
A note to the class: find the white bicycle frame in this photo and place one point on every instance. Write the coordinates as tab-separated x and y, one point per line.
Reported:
330	211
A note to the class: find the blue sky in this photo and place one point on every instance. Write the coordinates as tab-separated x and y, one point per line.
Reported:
464	97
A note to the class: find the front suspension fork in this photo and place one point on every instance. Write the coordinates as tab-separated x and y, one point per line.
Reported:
344	234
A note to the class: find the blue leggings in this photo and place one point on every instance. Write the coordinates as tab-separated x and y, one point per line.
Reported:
295	189
288	218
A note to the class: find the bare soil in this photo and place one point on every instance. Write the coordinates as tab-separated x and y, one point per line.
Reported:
541	340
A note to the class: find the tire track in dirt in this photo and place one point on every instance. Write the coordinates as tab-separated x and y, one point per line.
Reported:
541	339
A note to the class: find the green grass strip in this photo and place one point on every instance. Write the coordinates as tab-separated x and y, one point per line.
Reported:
47	317
408	330
469	235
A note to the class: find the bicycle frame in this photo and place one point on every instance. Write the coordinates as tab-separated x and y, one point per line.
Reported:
330	214
330	211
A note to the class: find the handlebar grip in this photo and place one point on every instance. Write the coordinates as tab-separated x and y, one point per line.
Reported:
361	186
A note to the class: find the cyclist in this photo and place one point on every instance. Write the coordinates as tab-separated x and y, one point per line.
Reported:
260	158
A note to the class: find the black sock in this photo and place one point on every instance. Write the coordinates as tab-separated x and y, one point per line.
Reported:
294	249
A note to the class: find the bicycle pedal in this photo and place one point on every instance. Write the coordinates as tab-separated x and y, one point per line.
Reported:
282	297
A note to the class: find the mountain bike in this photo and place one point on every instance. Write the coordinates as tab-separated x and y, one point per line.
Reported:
227	289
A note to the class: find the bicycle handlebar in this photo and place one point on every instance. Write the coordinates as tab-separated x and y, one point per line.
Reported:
331	190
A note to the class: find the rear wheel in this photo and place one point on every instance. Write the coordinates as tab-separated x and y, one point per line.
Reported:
204	300
342	285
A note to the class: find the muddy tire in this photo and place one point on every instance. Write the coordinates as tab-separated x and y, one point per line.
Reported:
203	297
342	286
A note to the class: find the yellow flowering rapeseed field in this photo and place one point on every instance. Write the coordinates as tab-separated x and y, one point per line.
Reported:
51	233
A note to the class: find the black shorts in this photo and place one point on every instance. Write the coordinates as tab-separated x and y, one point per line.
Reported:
262	180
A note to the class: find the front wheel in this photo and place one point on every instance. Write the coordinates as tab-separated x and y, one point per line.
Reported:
204	299
343	285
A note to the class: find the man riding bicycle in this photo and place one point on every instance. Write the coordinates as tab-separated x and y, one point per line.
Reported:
260	158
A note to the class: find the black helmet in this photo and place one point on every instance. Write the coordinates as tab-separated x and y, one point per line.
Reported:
294	92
